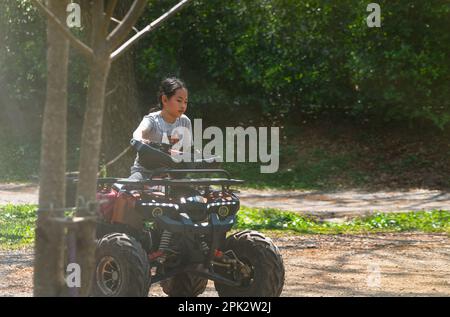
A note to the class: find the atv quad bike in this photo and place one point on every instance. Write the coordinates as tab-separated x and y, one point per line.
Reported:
173	230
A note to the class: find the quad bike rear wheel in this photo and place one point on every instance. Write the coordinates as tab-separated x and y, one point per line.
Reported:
263	267
184	285
122	267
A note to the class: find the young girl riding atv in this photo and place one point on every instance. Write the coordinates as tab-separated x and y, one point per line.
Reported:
160	227
159	126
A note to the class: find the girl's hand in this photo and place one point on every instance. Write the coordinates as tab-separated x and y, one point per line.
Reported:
175	152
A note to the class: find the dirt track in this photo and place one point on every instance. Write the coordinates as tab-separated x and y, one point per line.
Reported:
337	204
316	265
363	265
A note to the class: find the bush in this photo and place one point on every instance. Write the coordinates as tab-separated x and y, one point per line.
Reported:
307	57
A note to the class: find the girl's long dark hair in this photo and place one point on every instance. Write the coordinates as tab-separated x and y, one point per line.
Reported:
168	87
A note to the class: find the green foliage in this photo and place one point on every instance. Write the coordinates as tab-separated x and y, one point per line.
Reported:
433	221
17	225
309	57
22	53
23	70
274	219
402	69
23	87
256	62
18	162
252	58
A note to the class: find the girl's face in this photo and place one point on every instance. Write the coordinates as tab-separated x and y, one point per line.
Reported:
176	105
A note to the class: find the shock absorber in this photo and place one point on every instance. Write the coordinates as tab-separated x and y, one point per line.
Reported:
164	245
204	247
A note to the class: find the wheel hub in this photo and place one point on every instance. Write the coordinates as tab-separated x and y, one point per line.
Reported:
108	276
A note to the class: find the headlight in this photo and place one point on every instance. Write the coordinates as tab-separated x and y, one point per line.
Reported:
153	209
223	211
157	211
224	208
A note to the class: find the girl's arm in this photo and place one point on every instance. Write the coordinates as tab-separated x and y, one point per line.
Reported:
142	133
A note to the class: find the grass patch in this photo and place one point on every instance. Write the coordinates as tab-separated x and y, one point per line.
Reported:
17	223
273	219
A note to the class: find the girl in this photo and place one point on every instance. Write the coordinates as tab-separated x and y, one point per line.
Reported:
158	126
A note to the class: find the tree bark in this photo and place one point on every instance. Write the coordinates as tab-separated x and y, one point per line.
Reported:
122	103
122	113
49	247
89	161
90	147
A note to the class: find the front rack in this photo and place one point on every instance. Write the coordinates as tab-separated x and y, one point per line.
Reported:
169	171
153	181
172	182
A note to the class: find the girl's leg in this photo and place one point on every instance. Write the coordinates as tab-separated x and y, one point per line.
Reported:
137	176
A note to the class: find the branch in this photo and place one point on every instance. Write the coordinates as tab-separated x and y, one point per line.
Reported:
110	10
118	22
121	31
148	28
114	160
76	43
98	32
109	13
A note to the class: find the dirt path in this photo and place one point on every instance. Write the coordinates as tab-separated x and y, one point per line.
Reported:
346	265
16	273
348	203
18	194
364	265
323	204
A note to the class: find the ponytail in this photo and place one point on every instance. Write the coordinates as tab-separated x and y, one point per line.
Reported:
168	88
155	108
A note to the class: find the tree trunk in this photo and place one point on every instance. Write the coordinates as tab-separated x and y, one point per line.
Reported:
89	161
121	99
90	148
49	247
122	113
92	128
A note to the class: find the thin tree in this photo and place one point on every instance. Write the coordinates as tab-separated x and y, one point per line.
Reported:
105	47
48	273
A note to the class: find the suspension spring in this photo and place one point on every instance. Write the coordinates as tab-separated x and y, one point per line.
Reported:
164	245
204	247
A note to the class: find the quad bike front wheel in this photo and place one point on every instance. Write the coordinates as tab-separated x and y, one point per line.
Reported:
262	272
122	267
184	285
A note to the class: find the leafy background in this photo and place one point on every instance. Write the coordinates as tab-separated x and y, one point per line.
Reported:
266	62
